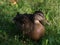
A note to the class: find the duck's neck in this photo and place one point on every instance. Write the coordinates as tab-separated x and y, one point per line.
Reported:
36	21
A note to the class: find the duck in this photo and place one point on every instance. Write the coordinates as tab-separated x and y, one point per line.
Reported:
32	24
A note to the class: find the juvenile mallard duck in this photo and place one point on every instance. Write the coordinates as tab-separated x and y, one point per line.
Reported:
31	24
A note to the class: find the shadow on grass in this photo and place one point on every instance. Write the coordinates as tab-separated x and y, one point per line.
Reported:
8	29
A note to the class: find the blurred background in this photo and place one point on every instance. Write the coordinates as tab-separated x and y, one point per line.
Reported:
8	30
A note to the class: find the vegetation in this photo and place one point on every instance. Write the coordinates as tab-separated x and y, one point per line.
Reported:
8	30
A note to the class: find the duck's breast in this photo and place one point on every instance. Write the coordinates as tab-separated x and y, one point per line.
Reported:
38	31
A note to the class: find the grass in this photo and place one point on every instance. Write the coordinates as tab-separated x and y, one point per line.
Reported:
8	30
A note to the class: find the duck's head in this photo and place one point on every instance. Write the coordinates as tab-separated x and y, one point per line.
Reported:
39	17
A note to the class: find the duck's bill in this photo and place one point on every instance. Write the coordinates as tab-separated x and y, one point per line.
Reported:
47	22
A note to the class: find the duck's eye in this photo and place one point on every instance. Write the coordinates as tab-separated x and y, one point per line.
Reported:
40	14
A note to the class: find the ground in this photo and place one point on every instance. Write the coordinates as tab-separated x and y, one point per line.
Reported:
8	30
